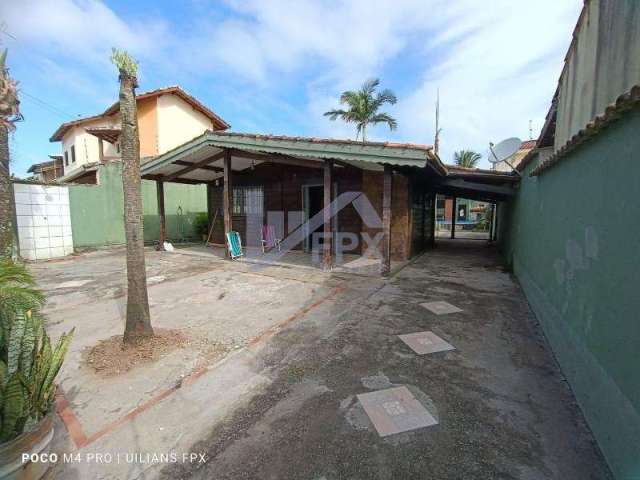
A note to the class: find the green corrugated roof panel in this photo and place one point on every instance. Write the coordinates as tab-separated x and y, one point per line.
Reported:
373	152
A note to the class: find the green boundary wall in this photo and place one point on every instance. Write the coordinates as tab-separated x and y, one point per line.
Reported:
572	237
97	211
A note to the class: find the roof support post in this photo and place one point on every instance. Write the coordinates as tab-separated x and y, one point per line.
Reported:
454	216
433	212
492	209
495	225
327	241
387	191
161	213
227	195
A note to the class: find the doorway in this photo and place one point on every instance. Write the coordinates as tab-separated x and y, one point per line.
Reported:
312	204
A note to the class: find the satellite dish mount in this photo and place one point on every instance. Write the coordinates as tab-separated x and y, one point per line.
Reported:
503	151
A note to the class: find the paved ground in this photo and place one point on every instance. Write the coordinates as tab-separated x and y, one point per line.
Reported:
284	405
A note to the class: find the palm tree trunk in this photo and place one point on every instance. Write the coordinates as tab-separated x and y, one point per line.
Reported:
364	133
138	322
6	197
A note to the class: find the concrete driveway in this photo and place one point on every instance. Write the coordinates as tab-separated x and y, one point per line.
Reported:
282	401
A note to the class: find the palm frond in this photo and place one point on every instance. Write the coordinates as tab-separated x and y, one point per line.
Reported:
466	158
370	86
334	114
384	118
363	107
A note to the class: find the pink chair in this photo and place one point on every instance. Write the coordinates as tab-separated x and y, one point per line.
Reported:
269	239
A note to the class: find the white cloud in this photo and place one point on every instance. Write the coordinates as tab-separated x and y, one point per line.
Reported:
79	29
496	63
494	78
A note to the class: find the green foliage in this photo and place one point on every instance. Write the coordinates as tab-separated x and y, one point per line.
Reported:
201	223
363	107
28	363
466	158
125	62
17	293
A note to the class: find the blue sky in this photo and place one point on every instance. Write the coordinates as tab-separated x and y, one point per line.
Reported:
274	66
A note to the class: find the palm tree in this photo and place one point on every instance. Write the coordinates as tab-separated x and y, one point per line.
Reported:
9	114
466	158
138	323
363	107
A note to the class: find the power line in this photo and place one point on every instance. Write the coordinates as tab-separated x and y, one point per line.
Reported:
48	106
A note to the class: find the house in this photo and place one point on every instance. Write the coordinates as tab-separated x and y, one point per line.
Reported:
167	117
48	171
336	196
571	235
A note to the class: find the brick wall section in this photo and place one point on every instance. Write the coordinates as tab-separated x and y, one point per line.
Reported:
400	219
282	186
400	215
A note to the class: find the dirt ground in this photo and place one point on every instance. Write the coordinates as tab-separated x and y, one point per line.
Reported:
282	403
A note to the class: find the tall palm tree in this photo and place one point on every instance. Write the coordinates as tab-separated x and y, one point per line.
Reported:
363	106
138	323
466	158
9	114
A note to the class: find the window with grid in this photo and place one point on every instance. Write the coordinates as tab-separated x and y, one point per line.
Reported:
248	201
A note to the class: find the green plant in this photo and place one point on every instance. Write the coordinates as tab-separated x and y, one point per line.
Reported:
124	62
466	158
364	106
28	362
17	293
201	223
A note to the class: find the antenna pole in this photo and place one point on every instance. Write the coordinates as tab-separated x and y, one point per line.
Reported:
436	141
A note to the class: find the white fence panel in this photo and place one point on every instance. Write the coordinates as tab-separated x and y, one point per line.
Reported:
44	221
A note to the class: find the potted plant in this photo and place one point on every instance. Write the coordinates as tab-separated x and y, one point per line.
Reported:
201	225
28	367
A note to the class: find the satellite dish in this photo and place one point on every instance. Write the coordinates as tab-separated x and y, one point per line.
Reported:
503	150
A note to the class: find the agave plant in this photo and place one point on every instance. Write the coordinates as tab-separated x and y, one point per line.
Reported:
17	293
28	362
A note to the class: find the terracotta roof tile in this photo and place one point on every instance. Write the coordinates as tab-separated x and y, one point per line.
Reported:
623	104
114	108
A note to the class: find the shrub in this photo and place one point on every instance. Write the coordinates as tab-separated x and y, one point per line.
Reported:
28	362
201	223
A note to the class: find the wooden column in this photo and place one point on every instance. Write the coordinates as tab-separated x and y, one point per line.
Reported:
161	213
434	215
454	216
327	241
101	150
495	226
227	195
493	219
387	190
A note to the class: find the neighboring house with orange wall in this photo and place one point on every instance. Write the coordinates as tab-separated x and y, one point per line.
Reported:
167	117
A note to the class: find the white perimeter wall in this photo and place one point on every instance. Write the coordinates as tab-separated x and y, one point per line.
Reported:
44	221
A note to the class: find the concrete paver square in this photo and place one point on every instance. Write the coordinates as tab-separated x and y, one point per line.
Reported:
395	410
440	307
426	342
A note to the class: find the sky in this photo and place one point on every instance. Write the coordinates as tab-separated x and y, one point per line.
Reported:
275	66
